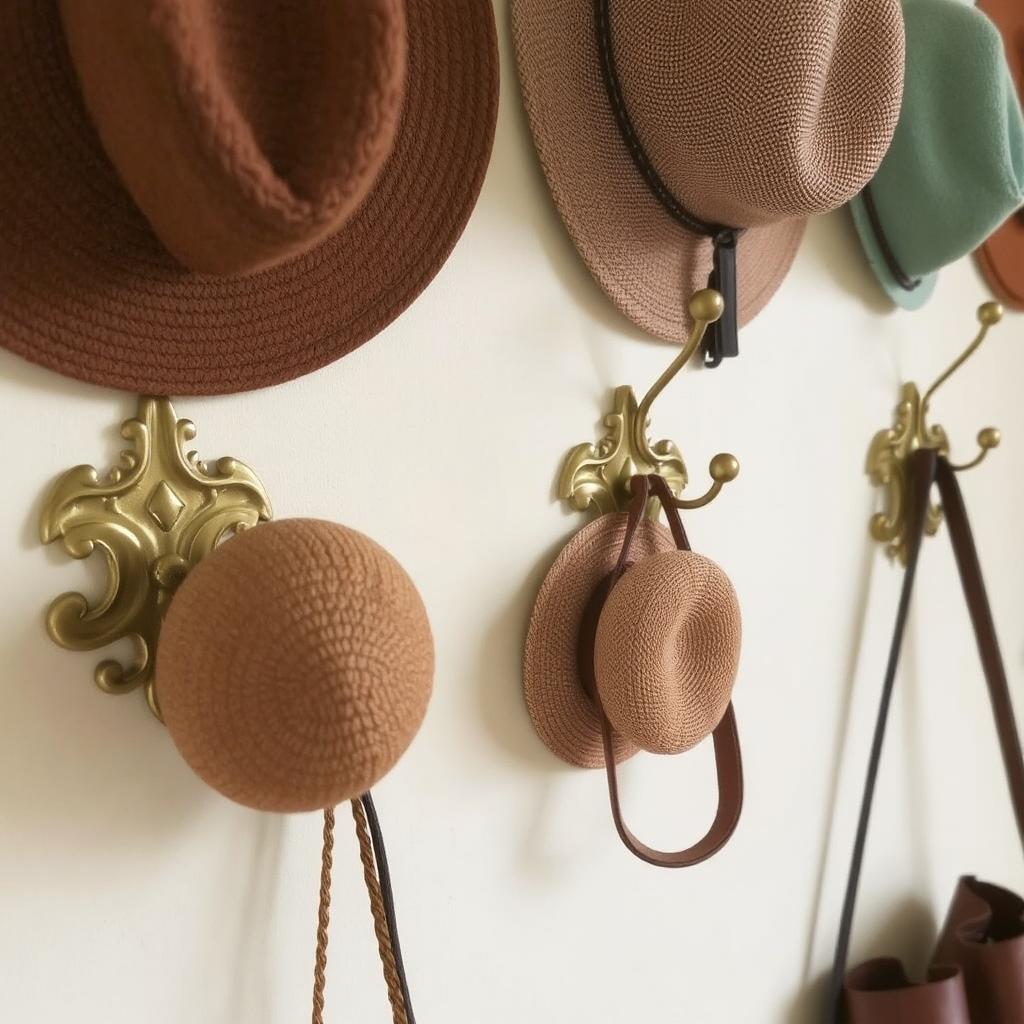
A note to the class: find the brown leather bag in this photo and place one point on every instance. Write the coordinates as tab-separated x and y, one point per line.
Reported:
977	972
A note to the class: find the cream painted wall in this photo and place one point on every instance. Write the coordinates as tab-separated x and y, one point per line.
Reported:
130	892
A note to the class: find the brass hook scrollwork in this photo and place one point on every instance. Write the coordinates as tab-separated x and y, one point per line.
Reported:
911	430
599	474
153	518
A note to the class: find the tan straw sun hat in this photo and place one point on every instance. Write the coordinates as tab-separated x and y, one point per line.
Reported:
667	650
295	665
562	712
634	644
665	124
208	196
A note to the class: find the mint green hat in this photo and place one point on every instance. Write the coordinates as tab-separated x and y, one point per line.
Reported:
955	170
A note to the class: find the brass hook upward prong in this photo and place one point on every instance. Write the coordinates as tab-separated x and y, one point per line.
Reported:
989	314
599	474
706	307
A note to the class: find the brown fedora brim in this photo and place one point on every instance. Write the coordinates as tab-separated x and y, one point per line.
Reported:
1001	260
1002	257
563	715
647	264
87	290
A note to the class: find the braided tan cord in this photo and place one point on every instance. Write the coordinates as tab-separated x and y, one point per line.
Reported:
327	862
380	927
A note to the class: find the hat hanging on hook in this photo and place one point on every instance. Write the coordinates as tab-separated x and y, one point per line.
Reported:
1002	256
955	170
295	666
677	165
634	639
634	644
292	661
313	166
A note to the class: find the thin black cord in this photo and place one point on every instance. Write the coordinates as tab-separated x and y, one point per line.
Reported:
903	279
384	876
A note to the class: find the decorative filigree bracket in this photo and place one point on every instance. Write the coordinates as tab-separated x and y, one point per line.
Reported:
154	517
890	448
887	462
599	474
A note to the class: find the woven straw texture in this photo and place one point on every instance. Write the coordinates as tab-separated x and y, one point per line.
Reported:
562	713
295	666
1002	256
667	651
756	114
88	290
272	126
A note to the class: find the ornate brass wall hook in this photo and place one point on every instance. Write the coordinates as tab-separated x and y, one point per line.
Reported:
154	517
599	474
886	464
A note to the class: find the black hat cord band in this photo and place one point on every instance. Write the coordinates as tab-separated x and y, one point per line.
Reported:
903	279
722	338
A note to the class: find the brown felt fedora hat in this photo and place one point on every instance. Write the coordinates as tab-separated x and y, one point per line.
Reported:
754	115
1002	256
209	196
295	665
665	650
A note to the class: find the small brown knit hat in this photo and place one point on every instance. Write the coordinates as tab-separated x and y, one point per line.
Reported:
295	665
752	115
210	196
666	651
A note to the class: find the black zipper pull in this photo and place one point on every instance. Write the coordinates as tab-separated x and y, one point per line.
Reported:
722	339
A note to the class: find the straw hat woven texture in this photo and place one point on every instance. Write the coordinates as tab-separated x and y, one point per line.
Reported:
209	196
756	115
563	715
295	665
667	651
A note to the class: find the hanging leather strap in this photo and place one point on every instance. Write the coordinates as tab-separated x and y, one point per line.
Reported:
973	583
925	467
728	762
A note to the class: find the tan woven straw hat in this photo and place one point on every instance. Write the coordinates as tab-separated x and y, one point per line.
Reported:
295	665
667	651
665	655
565	717
750	115
208	196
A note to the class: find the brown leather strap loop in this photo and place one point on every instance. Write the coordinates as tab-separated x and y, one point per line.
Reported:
729	768
924	468
728	761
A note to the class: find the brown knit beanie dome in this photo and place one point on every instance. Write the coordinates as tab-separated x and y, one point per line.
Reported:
295	665
667	651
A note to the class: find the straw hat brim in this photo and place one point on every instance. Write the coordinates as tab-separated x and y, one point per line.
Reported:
1002	257
646	263
1001	260
562	713
87	290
